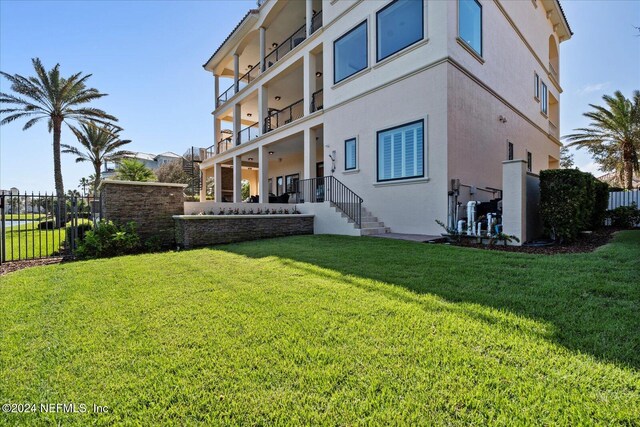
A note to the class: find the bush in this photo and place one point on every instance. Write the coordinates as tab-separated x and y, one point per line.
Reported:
108	239
625	216
571	201
81	230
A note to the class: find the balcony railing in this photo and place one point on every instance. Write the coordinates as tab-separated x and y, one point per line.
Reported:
553	130
250	75
210	151
226	95
316	22
248	133
224	144
285	47
284	116
317	101
554	72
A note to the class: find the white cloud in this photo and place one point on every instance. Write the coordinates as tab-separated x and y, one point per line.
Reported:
594	87
591	167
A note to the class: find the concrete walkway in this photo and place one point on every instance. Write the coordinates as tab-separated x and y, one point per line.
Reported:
410	237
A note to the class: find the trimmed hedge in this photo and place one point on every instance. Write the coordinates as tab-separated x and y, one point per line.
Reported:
571	201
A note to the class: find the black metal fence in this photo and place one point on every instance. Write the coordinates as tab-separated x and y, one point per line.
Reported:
285	47
317	101
35	226
316	22
284	116
330	189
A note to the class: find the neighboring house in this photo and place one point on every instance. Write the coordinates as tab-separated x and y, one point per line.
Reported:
152	161
395	99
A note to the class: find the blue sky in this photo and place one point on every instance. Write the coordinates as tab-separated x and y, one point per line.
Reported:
147	56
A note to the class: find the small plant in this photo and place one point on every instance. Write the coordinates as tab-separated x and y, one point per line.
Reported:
280	211
244	211
286	211
250	211
221	211
259	211
452	233
295	210
108	239
273	211
506	238
625	216
236	211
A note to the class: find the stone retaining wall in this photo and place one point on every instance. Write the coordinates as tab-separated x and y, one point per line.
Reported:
151	205
204	230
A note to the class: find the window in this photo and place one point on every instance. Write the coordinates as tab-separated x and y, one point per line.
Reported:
509	150
350	53
529	162
400	152
536	85
543	100
291	182
470	24
350	154
400	24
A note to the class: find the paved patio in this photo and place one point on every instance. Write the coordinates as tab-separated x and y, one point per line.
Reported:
423	238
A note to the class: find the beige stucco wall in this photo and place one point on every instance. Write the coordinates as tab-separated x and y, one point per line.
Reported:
405	206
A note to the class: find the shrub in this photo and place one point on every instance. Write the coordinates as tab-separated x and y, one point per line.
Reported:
81	232
108	239
625	216
571	201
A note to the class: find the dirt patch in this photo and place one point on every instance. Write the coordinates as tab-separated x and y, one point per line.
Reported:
9	267
585	243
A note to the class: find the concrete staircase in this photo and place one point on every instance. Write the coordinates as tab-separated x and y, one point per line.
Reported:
369	225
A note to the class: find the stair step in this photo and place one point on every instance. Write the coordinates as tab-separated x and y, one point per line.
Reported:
374	231
371	224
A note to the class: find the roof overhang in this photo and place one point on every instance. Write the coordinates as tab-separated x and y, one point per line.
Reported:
232	39
558	19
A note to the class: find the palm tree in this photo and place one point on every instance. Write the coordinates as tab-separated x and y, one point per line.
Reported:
133	170
613	136
84	183
101	143
52	97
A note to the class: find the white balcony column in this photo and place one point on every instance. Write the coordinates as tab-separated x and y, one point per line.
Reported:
309	80
237	179
309	170
237	124
309	12
217	124
263	107
263	174
263	47
217	182
203	186
236	71
216	79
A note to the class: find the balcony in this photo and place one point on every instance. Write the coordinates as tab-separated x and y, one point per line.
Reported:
224	144
284	116
553	130
317	101
553	72
248	133
279	51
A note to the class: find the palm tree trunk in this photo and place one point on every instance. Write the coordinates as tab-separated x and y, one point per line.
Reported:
57	169
627	159
96	182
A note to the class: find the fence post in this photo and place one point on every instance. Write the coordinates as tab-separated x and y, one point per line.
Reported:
3	229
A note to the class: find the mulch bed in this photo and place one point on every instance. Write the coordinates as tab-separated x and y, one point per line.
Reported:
585	243
9	267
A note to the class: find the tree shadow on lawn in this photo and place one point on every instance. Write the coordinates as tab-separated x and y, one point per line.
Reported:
592	300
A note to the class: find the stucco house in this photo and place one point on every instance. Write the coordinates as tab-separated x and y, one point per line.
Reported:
399	102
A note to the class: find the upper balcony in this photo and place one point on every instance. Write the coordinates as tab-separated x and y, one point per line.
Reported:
245	56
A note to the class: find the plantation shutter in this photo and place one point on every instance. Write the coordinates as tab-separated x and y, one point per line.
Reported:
400	152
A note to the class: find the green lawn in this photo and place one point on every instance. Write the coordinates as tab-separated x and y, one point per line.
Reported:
24	217
31	243
325	330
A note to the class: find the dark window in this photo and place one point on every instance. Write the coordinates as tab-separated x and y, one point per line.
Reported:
400	24
536	85
529	162
400	152
543	99
350	154
350	53
291	182
509	151
470	24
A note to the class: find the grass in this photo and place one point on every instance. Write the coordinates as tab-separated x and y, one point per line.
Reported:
24	217
28	242
326	330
